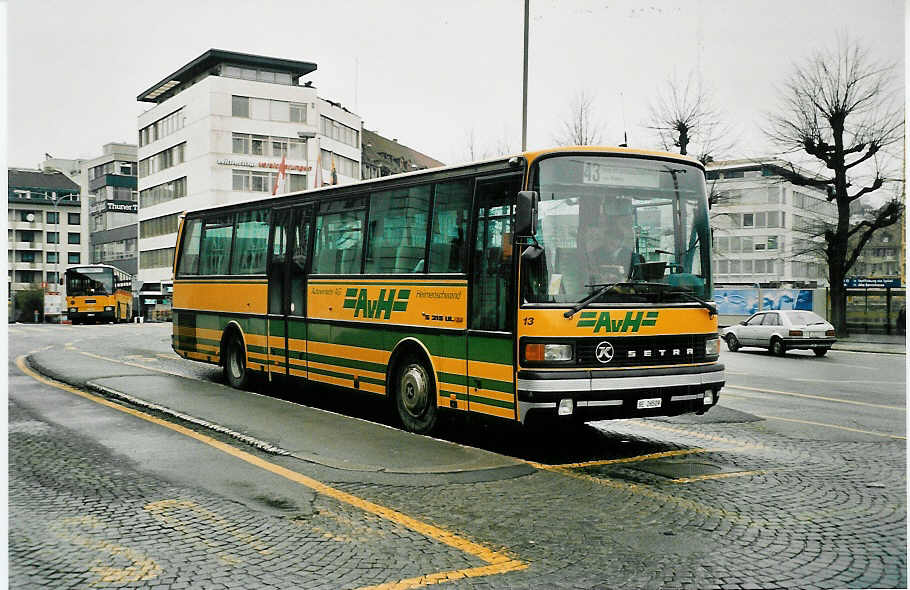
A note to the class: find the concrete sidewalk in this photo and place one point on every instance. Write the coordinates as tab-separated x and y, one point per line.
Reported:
280	427
886	343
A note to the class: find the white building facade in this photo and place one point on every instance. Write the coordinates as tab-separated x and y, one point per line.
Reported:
218	133
765	224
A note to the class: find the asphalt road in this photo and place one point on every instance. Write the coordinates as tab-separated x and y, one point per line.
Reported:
797	479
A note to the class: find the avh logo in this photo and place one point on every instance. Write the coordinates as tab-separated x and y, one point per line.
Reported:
629	323
382	307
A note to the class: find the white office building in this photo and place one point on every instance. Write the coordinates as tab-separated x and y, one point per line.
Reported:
217	133
764	223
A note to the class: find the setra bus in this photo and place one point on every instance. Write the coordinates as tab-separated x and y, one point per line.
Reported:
571	282
98	292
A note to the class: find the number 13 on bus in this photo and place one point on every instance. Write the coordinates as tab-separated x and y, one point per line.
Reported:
567	284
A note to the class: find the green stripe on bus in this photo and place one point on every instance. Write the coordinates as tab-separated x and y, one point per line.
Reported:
452	378
328	373
347	363
492	384
476	399
490	350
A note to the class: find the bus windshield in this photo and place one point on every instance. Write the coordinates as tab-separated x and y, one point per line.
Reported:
606	220
89	281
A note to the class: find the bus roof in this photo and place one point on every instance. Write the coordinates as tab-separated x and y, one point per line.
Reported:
78	266
529	156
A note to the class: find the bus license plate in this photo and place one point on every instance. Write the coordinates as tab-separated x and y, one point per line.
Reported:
653	402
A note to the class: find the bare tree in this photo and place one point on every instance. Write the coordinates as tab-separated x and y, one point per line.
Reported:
581	128
840	108
686	120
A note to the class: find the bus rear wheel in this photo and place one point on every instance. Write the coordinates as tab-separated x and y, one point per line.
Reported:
415	395
234	365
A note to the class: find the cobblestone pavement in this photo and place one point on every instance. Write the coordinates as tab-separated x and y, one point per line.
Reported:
81	517
782	513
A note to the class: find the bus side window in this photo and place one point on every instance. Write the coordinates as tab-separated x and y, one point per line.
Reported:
189	251
215	250
339	243
398	230
251	242
452	201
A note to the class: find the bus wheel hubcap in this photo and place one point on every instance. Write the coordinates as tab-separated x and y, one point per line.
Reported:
414	390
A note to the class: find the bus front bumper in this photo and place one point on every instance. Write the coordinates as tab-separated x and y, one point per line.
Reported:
91	316
625	393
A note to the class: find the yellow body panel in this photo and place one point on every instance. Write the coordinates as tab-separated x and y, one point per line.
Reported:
223	296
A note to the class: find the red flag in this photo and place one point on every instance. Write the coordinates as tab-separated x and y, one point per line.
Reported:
282	174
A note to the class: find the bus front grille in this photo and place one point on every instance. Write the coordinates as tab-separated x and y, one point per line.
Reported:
638	351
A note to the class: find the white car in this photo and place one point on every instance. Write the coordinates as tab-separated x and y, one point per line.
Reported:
780	331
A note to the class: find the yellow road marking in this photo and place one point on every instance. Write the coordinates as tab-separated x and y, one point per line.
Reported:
499	562
143	568
847	428
623	460
821	397
720	475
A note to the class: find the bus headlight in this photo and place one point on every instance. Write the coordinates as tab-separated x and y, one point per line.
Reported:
712	347
108	308
548	352
73	310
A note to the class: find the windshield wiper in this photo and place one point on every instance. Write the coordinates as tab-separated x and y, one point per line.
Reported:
603	289
712	311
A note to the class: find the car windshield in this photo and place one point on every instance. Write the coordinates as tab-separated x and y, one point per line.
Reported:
804	318
603	220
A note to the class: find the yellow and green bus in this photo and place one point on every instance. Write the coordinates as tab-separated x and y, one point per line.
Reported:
572	283
98	292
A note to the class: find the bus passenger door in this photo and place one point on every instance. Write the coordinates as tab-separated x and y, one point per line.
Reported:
491	367
298	258
276	321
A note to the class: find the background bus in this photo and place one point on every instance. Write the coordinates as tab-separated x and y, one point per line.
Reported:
98	292
450	289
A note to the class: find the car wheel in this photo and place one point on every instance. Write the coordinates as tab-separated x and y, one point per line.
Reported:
732	342
777	347
820	351
415	395
235	371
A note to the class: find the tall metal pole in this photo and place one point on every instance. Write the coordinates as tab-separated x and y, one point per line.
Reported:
524	93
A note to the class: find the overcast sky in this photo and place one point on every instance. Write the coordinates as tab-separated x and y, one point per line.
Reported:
428	73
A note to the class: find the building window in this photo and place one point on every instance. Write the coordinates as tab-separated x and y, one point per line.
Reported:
27	256
73	258
240	106
345	166
159	226
748	220
73	238
264	145
23	215
340	132
161	193
52	278
73	219
52	237
161	258
159	129
52	217
772	242
163	160
53	257
240	143
298	112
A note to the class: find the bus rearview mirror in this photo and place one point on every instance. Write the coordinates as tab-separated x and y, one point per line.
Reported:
526	214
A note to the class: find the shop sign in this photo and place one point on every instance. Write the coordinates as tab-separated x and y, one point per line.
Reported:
273	165
871	282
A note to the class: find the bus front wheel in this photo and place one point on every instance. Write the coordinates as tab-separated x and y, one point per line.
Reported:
235	371
415	395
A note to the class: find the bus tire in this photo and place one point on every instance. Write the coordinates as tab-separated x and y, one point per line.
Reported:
415	394
234	365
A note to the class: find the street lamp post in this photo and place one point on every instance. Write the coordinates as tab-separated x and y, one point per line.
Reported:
308	135
524	93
